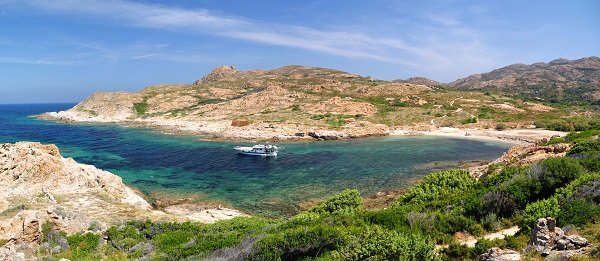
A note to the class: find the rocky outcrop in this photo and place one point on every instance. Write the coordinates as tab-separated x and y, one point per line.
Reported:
217	74
39	186
548	239
531	153
497	254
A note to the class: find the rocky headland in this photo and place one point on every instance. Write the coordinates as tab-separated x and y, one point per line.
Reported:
38	186
306	103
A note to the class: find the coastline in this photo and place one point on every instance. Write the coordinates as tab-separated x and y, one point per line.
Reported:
223	131
512	136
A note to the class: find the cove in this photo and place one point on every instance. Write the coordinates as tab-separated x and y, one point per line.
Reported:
154	162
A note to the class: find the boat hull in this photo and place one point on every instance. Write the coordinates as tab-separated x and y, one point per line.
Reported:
257	154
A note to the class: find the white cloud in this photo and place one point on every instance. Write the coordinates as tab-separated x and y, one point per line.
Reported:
144	56
442	46
16	60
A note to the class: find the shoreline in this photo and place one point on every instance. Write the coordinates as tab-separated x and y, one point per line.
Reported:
511	136
223	132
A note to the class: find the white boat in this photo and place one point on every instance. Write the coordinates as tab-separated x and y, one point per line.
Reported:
258	150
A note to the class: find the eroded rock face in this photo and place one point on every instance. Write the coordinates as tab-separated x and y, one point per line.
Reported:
548	239
497	254
29	169
528	154
39	186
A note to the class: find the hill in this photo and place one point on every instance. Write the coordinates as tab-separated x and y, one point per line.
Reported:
297	102
557	81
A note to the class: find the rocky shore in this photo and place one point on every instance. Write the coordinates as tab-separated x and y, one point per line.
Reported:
38	186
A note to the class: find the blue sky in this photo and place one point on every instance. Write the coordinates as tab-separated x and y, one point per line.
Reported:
63	50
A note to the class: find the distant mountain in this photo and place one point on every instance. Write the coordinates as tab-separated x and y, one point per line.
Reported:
422	81
558	80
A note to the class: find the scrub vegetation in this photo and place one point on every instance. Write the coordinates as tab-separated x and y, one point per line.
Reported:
442	205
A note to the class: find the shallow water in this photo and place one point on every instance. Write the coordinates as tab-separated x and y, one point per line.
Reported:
155	162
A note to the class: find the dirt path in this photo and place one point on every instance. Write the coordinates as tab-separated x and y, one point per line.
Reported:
471	241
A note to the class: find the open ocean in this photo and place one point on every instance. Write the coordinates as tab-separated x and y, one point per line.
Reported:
154	162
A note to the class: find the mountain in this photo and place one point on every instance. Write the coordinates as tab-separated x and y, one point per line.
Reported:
556	81
422	81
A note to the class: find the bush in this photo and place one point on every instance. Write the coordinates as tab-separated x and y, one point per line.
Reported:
140	108
491	223
581	136
299	242
437	185
375	243
499	203
540	209
83	244
469	120
500	126
586	147
554	173
577	212
522	190
348	201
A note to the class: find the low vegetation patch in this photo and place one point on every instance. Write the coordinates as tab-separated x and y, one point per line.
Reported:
442	205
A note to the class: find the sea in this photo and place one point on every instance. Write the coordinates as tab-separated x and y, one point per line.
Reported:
158	164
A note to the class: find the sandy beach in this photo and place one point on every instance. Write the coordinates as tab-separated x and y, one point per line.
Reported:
515	136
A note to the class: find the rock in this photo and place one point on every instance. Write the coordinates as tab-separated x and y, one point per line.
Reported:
218	74
548	239
497	254
327	135
10	252
578	241
30	171
32	228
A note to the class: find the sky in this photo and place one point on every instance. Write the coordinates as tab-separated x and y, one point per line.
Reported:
64	50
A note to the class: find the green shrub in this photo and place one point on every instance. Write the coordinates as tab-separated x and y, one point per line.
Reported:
522	189
375	243
300	242
581	136
486	113
140	108
540	209
348	201
469	120
83	244
568	190
437	185
586	147
491	222
456	251
556	172
577	212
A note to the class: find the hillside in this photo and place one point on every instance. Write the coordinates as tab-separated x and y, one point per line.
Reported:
296	102
534	202
556	81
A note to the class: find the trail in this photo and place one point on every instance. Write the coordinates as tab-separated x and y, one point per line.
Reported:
471	240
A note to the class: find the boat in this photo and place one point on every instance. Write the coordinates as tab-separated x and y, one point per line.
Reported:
263	150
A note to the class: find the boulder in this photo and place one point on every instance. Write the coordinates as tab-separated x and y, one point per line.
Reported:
497	254
548	239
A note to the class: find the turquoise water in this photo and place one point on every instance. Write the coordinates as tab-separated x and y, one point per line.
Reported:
155	162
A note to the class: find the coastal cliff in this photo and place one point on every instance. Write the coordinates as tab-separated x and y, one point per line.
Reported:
38	186
299	103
